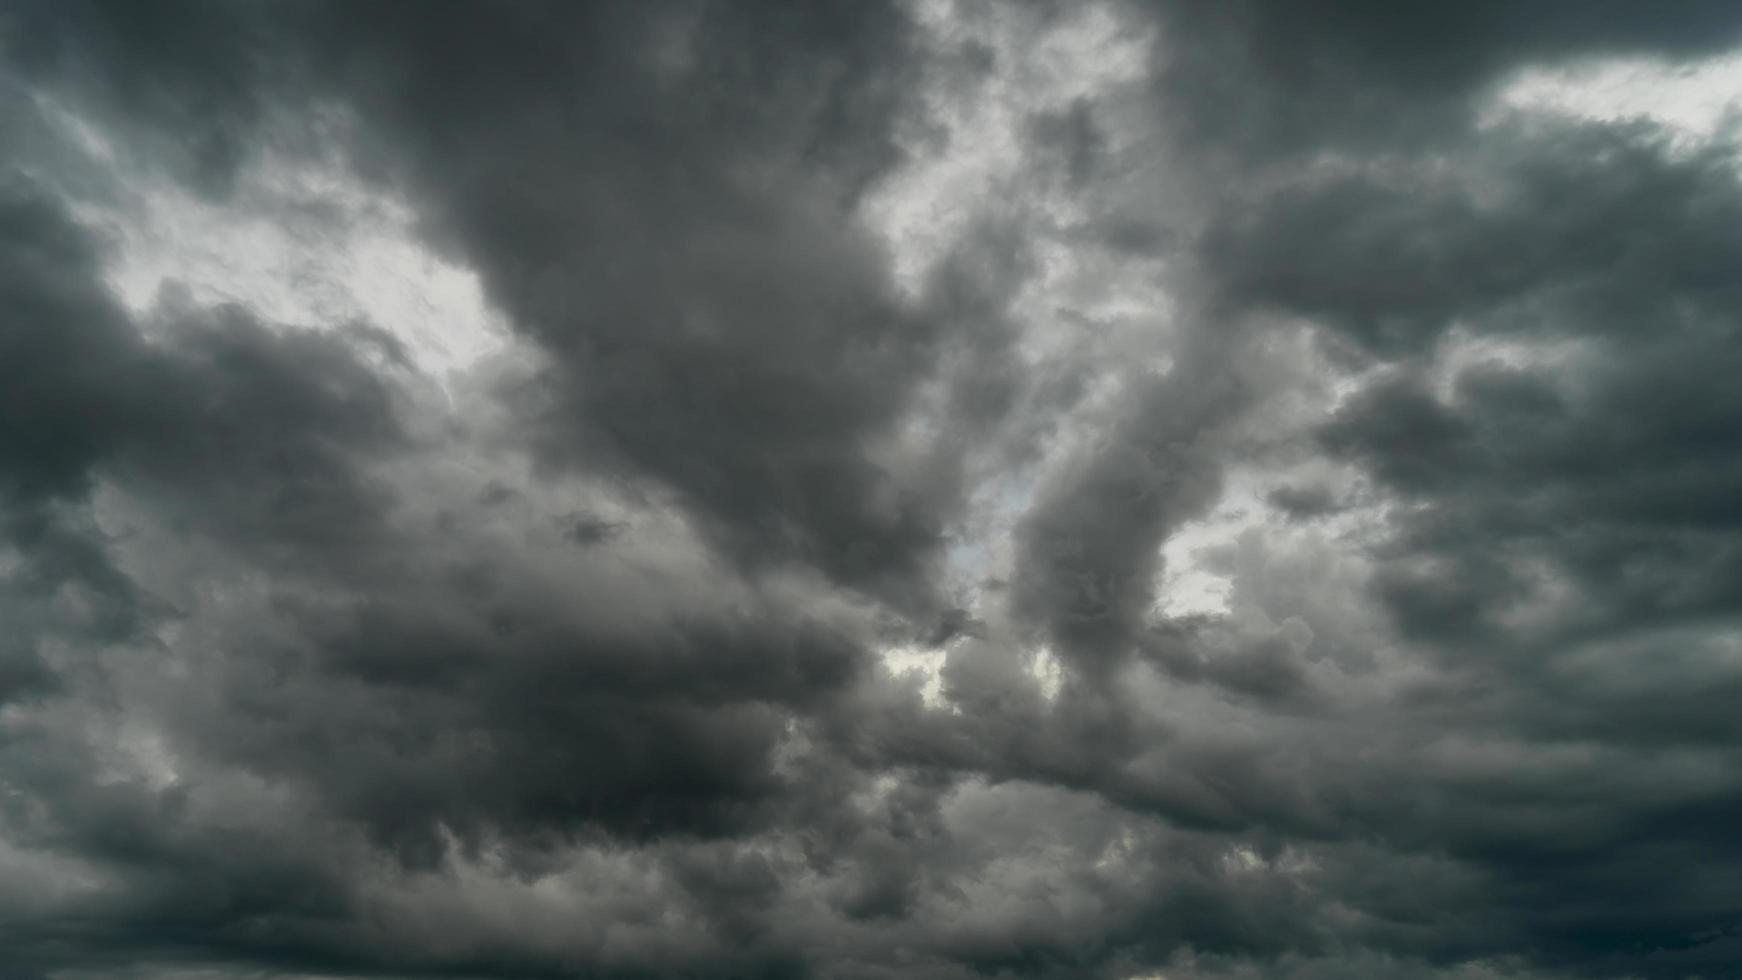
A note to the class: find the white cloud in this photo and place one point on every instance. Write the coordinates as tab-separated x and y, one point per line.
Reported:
1695	102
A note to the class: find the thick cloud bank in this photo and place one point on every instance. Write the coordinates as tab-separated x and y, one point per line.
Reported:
856	491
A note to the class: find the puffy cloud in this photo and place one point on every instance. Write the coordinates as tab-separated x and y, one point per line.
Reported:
950	490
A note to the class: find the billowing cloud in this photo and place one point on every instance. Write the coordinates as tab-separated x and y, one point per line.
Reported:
862	490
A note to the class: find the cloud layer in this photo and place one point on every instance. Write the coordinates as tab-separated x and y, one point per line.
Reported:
848	490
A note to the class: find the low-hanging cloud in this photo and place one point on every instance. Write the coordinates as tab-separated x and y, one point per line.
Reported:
1148	489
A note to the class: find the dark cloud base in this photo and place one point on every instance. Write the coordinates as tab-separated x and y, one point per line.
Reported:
575	664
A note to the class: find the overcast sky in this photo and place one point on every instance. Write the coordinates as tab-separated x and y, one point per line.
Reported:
798	490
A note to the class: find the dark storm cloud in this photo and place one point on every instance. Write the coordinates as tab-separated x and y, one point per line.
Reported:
61	416
659	194
746	369
533	728
238	427
311	667
674	230
1623	453
1552	229
717	325
265	424
262	425
1556	518
252	441
1090	548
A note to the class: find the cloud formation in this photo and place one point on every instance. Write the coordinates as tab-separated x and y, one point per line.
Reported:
860	490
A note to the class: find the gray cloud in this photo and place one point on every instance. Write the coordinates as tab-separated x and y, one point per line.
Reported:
1358	600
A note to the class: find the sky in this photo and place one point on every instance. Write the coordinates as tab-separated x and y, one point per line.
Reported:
857	490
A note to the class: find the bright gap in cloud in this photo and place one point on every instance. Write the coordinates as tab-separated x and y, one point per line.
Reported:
973	144
1196	576
1695	101
304	245
927	664
363	264
971	163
